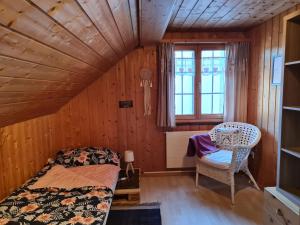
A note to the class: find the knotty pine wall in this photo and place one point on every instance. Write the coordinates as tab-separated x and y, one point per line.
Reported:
94	116
263	97
24	149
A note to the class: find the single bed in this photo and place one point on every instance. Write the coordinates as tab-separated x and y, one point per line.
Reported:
75	188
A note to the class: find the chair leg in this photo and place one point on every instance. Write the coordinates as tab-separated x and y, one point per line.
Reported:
247	171
197	178
232	188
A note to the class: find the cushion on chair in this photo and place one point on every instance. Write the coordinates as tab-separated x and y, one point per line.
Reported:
220	159
227	136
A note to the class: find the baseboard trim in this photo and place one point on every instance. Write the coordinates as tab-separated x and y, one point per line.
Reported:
168	173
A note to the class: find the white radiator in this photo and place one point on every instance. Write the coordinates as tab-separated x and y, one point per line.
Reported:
176	145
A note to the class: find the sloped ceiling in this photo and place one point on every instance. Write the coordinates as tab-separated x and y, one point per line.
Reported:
51	49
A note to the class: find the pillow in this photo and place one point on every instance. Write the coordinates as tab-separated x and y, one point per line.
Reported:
87	156
227	136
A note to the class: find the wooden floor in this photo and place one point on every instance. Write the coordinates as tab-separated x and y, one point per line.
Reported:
184	204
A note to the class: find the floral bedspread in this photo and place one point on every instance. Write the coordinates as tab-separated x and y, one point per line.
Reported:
87	205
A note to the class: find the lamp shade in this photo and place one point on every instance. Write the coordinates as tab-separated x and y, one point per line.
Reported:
129	156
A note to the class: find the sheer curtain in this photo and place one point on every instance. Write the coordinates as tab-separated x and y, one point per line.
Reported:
236	82
166	86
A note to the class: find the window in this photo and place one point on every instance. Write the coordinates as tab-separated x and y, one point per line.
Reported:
199	82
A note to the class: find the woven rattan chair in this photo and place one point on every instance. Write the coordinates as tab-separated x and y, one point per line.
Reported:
223	164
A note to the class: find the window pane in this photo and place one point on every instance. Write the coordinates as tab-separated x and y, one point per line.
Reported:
206	65
207	54
188	104
178	83
206	104
219	53
178	104
206	83
189	65
188	54
178	65
178	54
188	83
219	65
218	103
218	83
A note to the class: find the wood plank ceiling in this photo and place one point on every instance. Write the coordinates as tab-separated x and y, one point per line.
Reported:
225	14
51	49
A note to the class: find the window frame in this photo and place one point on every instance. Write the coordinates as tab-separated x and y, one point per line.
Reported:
197	116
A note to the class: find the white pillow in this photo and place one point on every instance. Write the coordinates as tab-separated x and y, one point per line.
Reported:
227	136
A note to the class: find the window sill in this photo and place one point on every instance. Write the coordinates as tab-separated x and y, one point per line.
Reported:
184	122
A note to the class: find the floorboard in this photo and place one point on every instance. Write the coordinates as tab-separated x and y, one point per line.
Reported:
184	204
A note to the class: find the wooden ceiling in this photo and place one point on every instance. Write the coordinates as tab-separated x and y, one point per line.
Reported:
225	14
51	49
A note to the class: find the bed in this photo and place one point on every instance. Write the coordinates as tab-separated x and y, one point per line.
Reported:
68	190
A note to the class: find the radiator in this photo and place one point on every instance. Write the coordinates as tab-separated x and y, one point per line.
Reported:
176	146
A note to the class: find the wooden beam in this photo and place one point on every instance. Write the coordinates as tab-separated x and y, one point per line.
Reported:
154	19
193	37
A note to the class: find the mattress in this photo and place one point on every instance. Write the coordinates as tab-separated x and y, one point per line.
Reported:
48	204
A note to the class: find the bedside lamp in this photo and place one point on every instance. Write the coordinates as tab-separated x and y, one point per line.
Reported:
129	159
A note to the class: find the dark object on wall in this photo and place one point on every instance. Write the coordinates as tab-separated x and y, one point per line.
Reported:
277	70
126	104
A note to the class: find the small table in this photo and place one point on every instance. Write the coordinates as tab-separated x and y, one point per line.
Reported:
127	190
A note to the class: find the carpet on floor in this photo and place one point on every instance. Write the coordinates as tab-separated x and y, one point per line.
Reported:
143	214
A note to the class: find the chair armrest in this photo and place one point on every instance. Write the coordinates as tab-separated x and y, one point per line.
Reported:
233	147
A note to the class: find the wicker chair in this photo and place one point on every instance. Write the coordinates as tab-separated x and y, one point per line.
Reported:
222	165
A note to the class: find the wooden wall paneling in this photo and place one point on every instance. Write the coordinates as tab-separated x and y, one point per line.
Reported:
108	125
143	139
121	76
273	104
100	13
24	149
266	43
72	17
154	18
122	15
265	103
79	112
23	17
131	114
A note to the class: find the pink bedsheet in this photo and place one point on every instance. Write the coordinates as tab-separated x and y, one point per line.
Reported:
96	175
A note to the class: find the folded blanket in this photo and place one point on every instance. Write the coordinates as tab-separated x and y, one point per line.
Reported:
83	176
201	145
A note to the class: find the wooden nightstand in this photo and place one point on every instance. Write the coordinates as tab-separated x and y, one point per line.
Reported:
127	191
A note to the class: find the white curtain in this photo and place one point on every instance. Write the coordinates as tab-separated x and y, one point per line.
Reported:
166	86
236	80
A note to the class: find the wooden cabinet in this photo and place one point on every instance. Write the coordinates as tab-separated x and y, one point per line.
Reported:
279	210
288	175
